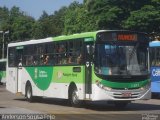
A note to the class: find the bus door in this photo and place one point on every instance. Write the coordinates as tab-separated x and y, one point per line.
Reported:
19	69
11	71
88	69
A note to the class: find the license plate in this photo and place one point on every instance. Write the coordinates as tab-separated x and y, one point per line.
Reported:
126	94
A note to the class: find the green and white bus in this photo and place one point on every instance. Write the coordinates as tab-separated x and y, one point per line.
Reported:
106	65
3	71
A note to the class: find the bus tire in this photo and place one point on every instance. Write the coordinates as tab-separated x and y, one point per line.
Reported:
29	95
73	97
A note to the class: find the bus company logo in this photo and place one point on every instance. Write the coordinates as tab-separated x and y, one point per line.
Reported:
42	74
155	72
36	73
59	74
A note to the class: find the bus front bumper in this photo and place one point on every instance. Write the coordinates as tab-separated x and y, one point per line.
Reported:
119	95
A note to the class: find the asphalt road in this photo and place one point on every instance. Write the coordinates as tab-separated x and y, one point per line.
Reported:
59	109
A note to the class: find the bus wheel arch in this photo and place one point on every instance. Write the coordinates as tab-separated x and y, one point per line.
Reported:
73	95
28	91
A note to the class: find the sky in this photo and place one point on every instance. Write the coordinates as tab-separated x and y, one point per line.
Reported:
35	8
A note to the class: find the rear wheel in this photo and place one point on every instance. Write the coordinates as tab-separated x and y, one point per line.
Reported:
29	95
74	98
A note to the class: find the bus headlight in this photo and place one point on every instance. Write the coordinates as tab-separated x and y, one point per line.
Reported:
107	88
100	85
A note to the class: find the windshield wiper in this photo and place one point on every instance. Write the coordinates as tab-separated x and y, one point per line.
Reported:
133	52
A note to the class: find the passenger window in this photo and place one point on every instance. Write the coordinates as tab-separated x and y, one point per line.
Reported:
11	56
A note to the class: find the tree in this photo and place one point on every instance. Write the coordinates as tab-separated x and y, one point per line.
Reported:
146	19
22	28
71	18
110	14
110	19
105	14
40	28
19	24
44	15
4	15
76	18
58	20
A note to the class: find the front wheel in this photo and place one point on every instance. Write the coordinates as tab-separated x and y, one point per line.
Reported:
74	98
29	95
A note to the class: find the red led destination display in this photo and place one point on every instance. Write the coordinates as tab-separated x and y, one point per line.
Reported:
127	37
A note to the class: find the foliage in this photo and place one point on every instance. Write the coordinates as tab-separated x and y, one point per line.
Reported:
4	12
145	19
22	28
72	19
92	15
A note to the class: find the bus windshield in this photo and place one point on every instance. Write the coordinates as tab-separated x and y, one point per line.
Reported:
121	58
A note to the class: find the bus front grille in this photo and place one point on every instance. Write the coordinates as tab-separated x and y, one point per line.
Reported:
126	95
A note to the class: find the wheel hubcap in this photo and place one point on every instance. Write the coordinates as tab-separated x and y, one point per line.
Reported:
75	97
29	93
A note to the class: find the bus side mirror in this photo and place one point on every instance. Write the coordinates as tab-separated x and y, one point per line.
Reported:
90	49
93	49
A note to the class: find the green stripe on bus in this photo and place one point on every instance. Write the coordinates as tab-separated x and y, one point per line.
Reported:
76	36
44	76
128	84
66	74
2	74
41	76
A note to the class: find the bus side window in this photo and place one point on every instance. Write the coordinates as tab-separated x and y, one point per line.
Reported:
71	53
69	59
79	59
12	57
79	52
75	52
50	52
62	53
46	60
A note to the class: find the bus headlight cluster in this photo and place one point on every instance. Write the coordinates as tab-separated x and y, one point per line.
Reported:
100	85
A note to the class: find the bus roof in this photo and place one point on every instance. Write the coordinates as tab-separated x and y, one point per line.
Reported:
30	42
82	35
154	44
59	38
86	35
76	36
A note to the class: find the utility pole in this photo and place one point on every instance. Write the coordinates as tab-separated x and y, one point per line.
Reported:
3	36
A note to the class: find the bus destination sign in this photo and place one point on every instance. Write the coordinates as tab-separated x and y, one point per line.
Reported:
127	37
120	36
